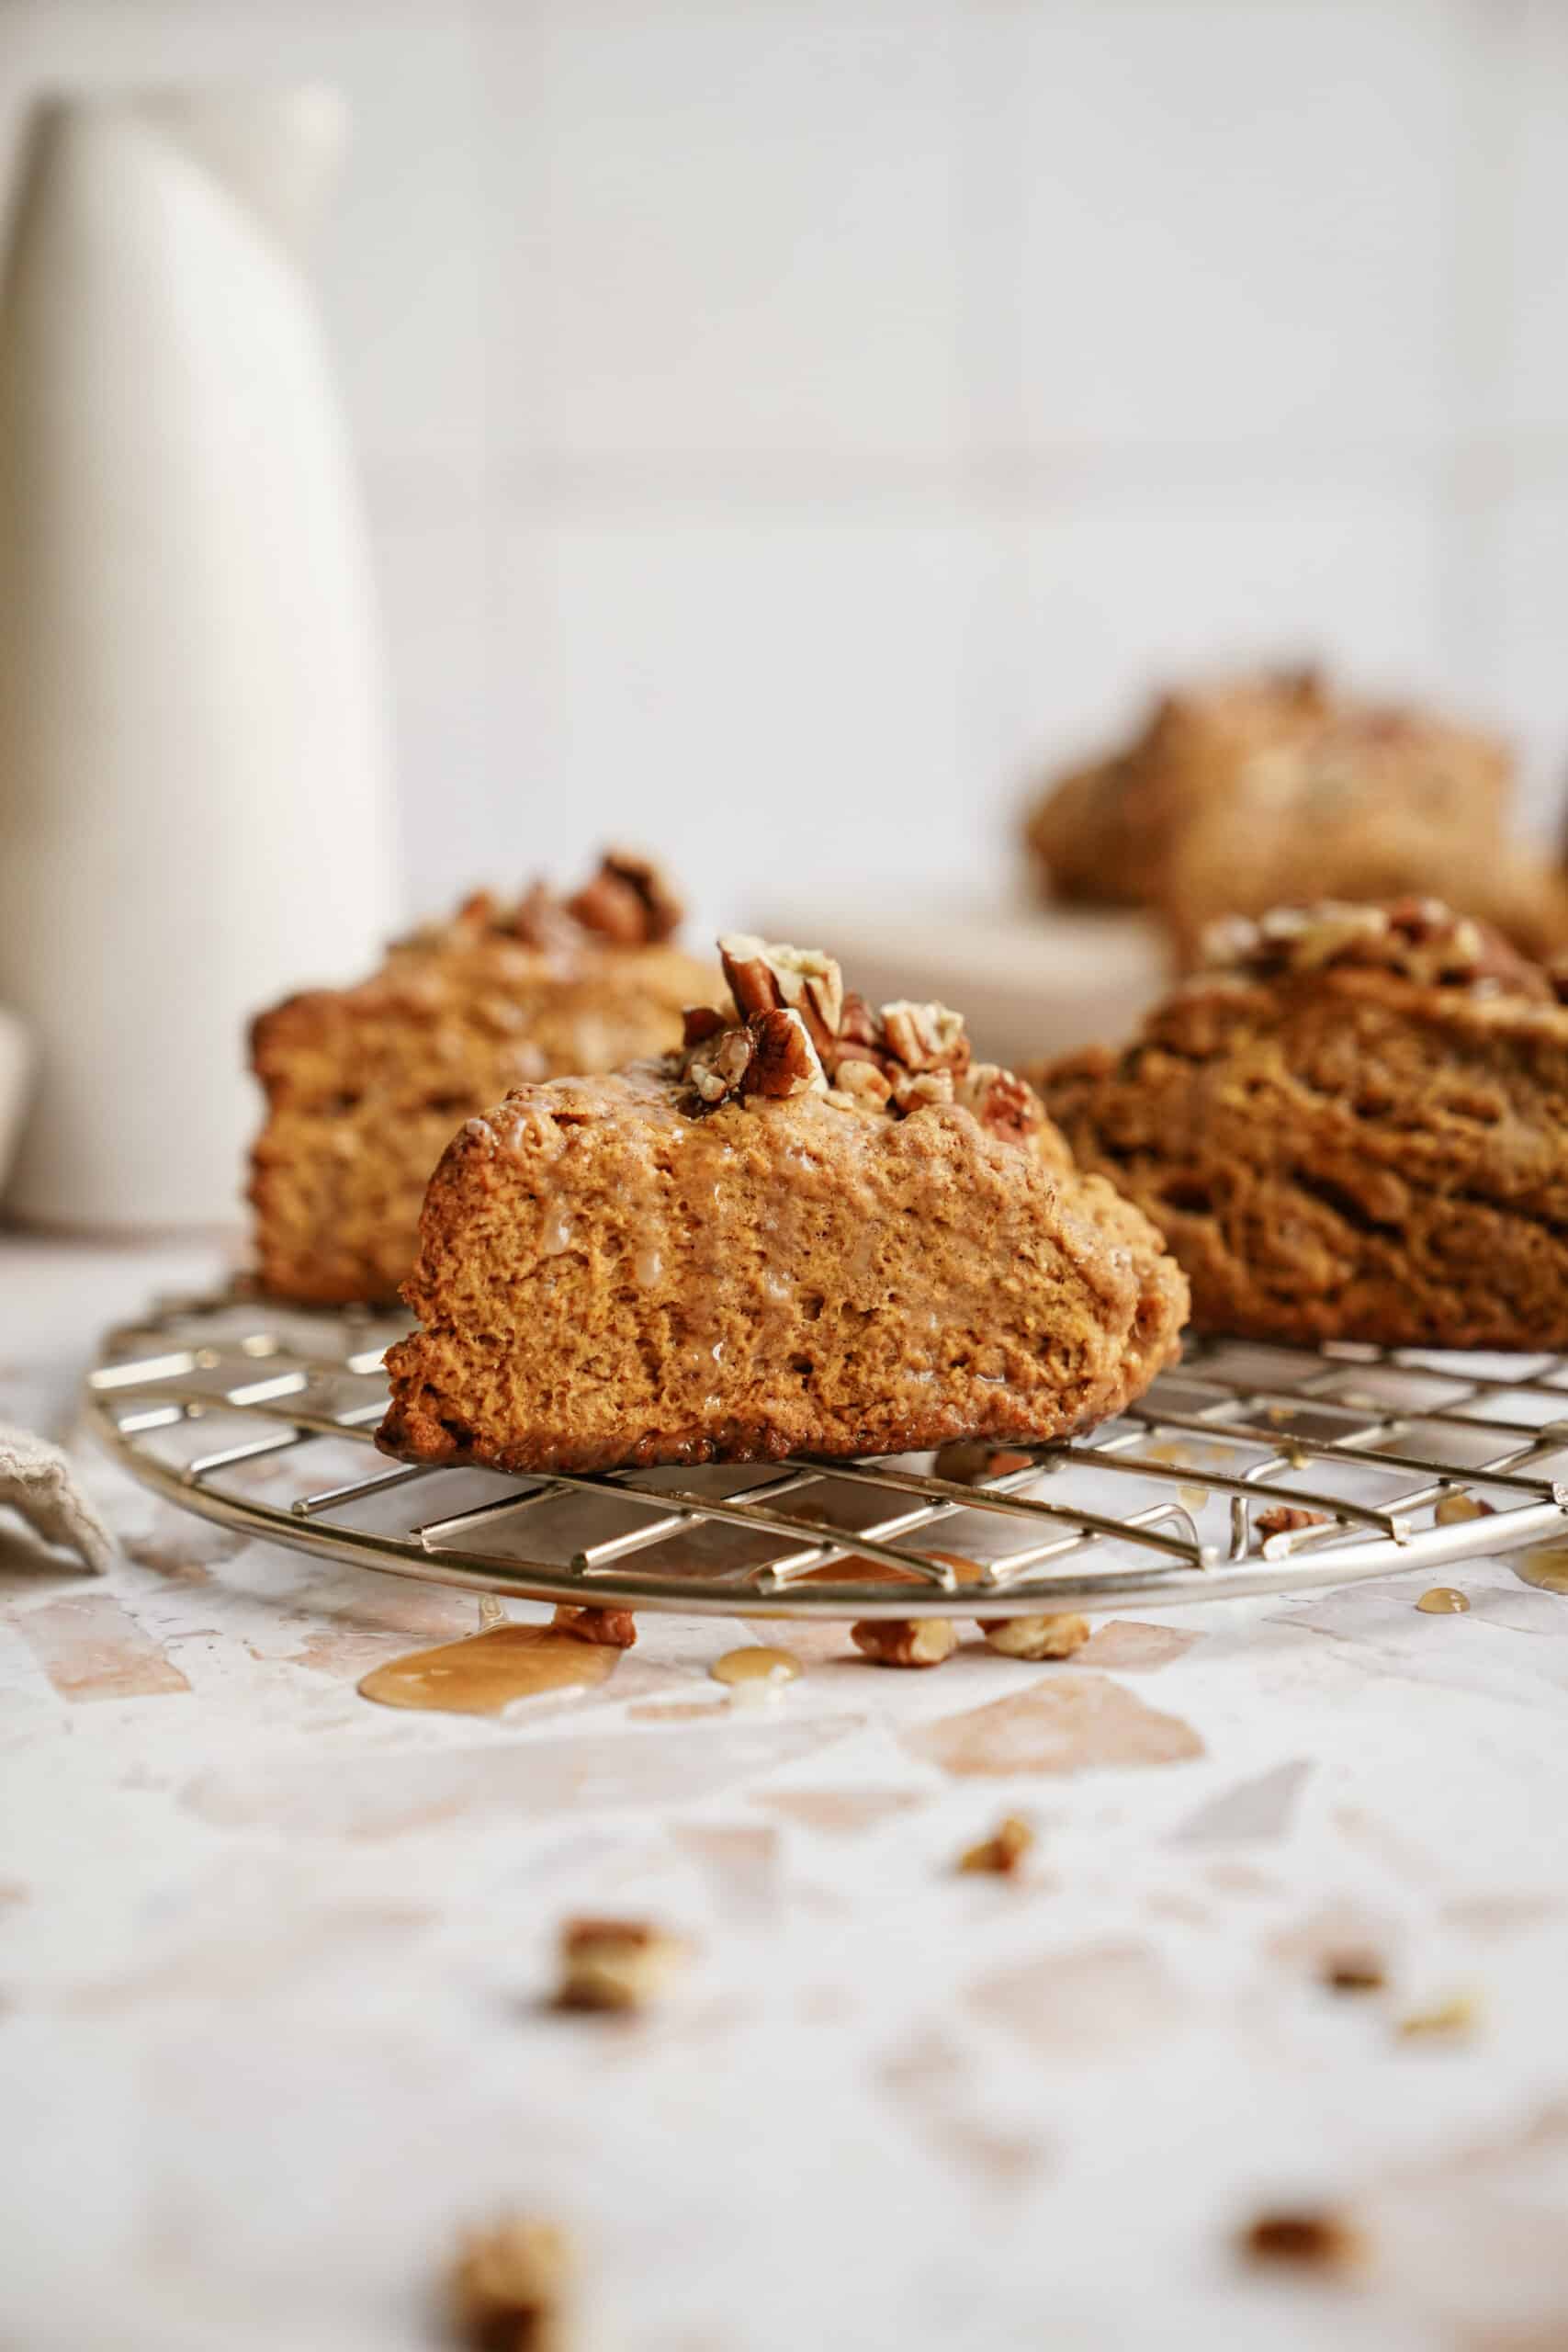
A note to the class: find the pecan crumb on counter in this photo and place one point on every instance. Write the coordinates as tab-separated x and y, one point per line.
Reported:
1287	1519
1035	1637
615	1964
612	1629
1354	1971
1313	2238
1003	1851
510	2287
904	1641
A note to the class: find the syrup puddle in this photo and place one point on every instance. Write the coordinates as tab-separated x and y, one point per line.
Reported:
485	1673
1546	1566
744	1669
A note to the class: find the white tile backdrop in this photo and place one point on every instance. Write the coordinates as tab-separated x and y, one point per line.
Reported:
785	422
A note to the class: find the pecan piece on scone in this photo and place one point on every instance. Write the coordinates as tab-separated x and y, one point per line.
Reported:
925	1037
784	1059
771	977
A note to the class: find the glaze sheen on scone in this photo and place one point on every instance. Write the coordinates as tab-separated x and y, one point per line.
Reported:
1237	796
1354	1125
816	1229
365	1085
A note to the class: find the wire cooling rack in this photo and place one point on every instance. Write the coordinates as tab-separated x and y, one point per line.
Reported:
263	1416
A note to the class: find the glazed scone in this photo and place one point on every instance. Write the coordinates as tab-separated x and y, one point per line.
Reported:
365	1086
1239	796
1352	1126
815	1229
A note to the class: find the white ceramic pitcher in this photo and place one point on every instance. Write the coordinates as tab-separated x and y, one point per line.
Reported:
194	810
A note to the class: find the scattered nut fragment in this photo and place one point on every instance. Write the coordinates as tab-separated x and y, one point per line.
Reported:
1354	1971
1449	2020
1320	2239
904	1641
615	1964
510	2287
1284	1518
1003	1850
612	1629
1035	1637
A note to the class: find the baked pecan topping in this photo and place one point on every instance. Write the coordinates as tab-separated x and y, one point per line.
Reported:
1419	939
798	1031
764	979
925	1036
628	900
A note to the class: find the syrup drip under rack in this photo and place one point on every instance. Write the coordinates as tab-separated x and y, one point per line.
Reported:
262	1417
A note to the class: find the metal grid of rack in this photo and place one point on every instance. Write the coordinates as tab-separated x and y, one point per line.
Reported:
1245	1469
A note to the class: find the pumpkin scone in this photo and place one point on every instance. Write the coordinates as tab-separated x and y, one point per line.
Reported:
1237	796
1352	1126
365	1085
815	1229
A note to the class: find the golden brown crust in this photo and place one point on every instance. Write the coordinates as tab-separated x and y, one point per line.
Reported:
616	1272
364	1085
1351	1148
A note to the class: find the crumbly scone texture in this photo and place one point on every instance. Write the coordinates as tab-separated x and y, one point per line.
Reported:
621	1270
1238	796
365	1086
1355	1127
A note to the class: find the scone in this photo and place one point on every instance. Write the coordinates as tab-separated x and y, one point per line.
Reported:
815	1229
1352	1126
365	1085
1239	796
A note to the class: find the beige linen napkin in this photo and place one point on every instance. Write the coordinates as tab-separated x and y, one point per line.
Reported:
37	1482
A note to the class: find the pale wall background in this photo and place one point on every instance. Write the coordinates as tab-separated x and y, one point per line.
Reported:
785	422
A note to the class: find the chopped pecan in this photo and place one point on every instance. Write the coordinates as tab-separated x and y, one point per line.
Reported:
612	1629
662	910
1003	1850
627	902
1004	1106
771	977
1035	1637
1315	2239
510	2286
864	1083
918	1090
904	1641
859	1027
784	1059
717	1067
615	1964
1419	939
699	1022
1286	1519
925	1037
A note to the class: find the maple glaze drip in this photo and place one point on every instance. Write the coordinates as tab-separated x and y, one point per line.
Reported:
491	1612
1454	1508
484	1674
755	1664
1546	1566
1443	1601
1193	1496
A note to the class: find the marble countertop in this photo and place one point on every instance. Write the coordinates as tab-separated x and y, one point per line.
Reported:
272	1959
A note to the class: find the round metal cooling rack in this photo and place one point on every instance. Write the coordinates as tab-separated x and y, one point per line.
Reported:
1246	1469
